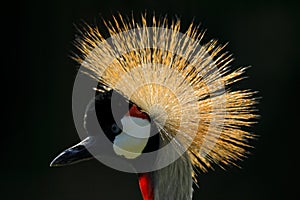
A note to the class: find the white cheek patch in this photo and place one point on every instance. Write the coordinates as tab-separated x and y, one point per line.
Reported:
132	141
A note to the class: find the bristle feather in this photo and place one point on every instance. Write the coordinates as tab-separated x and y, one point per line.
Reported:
149	78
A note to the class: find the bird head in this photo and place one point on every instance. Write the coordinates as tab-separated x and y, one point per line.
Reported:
176	87
129	132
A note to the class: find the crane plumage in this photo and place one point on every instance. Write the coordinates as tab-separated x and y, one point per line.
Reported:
183	86
169	87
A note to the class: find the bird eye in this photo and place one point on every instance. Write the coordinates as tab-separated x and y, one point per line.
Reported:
115	129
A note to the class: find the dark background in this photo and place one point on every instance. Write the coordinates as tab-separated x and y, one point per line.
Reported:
38	76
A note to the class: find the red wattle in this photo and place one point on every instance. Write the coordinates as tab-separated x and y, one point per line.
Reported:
135	112
146	186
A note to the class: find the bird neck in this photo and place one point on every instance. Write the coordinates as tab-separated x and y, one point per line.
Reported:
172	182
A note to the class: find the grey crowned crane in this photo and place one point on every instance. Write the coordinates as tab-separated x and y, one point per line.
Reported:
166	82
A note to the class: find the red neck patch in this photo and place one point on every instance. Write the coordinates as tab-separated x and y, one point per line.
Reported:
146	186
135	112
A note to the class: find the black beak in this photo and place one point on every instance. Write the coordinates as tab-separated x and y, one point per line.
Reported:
74	154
